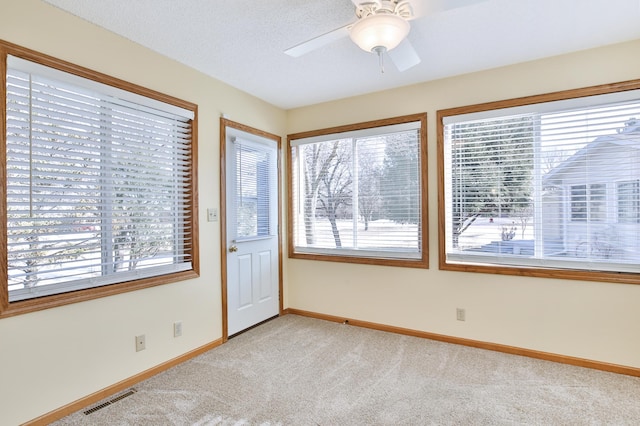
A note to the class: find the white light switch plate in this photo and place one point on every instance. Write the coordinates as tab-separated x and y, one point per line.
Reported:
212	214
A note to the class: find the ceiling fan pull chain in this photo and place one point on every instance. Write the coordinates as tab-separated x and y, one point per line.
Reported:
380	51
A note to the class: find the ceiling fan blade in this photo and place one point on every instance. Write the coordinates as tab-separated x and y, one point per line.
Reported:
318	42
404	56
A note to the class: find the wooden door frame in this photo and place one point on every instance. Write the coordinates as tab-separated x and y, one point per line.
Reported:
224	123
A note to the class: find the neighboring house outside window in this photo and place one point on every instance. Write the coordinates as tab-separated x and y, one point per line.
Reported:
543	187
358	193
99	185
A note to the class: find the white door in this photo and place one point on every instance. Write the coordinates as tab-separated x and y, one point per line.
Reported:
252	229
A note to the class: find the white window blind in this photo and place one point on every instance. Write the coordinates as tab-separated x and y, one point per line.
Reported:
97	184
254	179
358	193
550	185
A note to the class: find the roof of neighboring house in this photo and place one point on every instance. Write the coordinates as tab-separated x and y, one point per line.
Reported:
628	136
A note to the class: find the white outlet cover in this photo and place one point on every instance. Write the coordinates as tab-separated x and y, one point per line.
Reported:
140	343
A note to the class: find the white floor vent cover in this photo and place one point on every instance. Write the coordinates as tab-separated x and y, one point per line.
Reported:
111	401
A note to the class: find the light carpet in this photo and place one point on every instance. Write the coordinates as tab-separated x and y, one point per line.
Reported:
295	370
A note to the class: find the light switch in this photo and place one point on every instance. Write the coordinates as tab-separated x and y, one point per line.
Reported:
212	214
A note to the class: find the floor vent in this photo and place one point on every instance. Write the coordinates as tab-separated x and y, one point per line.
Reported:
111	401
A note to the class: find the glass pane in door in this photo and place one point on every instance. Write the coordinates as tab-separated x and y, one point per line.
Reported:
252	191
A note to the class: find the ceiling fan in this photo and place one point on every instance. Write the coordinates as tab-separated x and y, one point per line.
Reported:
382	27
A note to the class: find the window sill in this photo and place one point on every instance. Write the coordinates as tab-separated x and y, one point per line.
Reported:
61	299
405	263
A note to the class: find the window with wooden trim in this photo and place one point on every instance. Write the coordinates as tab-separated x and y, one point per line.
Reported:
543	186
99	183
358	193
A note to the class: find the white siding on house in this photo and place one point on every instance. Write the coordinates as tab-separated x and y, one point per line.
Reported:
590	179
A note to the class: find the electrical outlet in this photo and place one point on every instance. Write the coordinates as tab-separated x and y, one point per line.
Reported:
461	314
141	343
177	329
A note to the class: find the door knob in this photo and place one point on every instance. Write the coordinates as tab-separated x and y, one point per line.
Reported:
233	249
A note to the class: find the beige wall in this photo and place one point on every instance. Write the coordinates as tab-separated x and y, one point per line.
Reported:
54	357
597	321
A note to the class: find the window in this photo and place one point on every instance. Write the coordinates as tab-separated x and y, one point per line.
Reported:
99	185
543	186
358	193
578	203
254	162
629	201
588	202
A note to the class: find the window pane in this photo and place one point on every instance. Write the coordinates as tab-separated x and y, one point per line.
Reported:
629	202
539	189
389	192
579	202
597	202
491	185
252	197
97	188
359	195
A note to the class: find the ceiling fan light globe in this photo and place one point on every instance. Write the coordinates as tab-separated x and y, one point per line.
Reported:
382	30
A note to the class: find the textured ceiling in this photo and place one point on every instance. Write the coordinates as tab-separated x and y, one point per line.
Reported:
241	42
